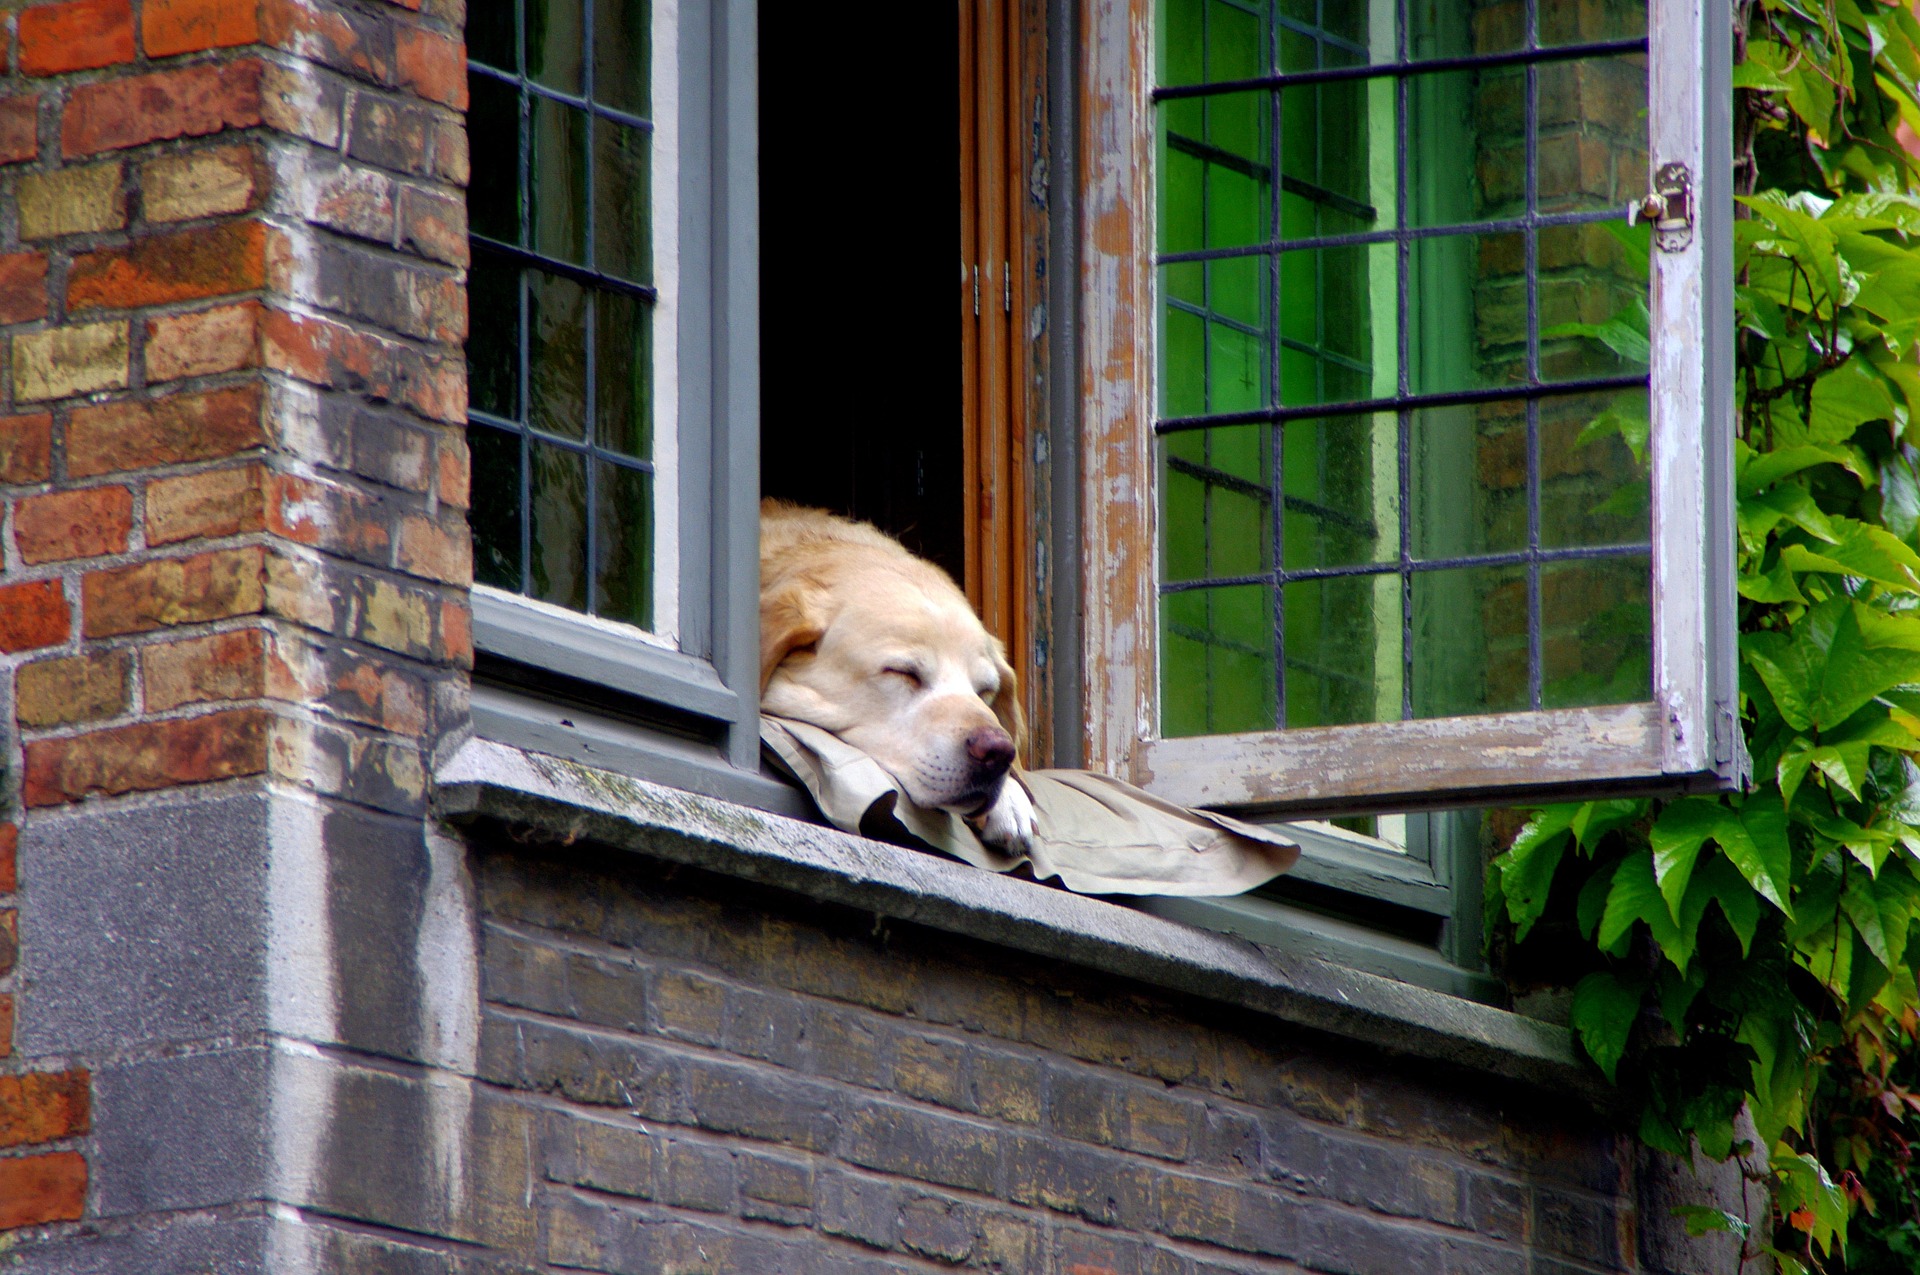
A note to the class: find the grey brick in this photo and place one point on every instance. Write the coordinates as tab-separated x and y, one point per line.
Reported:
860	1209
1343	1242
191	1244
776	1190
1230	1140
931	1069
607	993
143	926
603	1070
691	1176
630	1242
845	1045
945	1230
1006	1086
1121	1114
179	1133
689	1006
925	1147
607	1157
754	1102
767	1025
516	971
1247	1218
1391	1180
1465	1257
1499	1210
1576	1226
1099	1186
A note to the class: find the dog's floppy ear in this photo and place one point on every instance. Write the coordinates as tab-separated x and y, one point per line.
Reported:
791	617
1006	701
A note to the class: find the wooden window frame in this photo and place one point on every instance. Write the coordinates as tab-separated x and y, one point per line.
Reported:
1685	738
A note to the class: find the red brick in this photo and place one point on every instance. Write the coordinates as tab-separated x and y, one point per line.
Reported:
331	37
456	471
6	1024
71	688
432	65
73	524
9	939
19	127
75	36
137	433
9	865
168	27
219	502
146	756
26	448
168	591
213	262
23	287
436	552
192	101
32	614
222	667
203	343
43	1106
322	352
434	225
456	633
42	1188
325	515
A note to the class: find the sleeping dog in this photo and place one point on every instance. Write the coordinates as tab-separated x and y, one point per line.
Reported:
861	638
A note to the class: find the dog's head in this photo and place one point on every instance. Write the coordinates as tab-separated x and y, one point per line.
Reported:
881	649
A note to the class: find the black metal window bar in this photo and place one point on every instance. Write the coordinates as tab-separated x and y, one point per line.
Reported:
1342	61
561	298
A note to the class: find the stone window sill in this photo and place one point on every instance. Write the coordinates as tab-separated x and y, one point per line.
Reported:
535	792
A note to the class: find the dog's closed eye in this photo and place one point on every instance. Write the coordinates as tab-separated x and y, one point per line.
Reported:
908	673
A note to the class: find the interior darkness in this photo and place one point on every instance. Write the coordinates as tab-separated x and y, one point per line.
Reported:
860	248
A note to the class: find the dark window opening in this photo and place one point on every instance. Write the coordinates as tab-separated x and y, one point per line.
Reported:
860	386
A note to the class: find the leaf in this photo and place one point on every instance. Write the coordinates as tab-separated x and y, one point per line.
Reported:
1738	901
1625	333
1756	842
1802	1183
1865	657
1768	468
1785	664
1775	586
1603	1012
1526	870
1702	1220
1764	511
1678	835
1592	902
1857	900
1847	398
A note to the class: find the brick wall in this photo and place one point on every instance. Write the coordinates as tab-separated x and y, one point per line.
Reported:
232	476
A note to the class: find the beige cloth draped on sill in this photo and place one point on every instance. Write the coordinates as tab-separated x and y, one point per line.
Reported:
1098	835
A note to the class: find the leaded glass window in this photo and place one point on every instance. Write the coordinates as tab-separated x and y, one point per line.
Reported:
1402	375
561	423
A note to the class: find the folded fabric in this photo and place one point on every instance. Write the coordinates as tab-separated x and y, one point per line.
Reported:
1096	834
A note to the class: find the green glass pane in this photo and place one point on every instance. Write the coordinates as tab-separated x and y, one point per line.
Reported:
1469	641
1217	511
495	513
623	525
1337	158
1235	130
1467	312
1467	480
1236	369
556	355
1593	133
559	180
1580	23
1594	481
555	44
1217	660
623	239
623	372
1183	362
622	54
1183	205
493	337
490	35
1237	288
1595	632
1236	42
1334	303
1333	33
1342	491
1343	650
1449	117
493	129
1593	300
1449	29
558	501
1236	205
1183	41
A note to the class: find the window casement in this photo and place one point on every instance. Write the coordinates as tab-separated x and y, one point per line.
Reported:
1407	445
614	363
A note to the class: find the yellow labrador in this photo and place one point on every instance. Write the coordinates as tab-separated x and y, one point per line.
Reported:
861	638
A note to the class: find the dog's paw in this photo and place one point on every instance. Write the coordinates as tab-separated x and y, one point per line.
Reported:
1008	823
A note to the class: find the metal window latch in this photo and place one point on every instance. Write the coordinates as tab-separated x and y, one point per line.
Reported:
1669	207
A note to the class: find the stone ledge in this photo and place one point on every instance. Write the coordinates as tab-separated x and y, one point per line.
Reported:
487	780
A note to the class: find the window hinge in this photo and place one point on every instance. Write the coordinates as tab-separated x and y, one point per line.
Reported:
1669	207
976	292
1006	286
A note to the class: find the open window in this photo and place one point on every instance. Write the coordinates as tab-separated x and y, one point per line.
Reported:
1413	441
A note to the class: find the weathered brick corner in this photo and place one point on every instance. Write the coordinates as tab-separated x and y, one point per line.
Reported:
233	480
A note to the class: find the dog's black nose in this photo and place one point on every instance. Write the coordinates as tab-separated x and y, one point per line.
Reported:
991	749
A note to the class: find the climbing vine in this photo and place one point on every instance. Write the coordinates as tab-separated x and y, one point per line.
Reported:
1750	952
